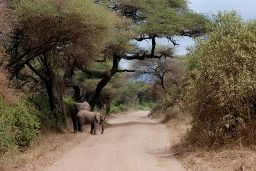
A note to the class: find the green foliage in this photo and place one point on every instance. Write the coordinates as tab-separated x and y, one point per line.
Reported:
19	126
114	109
161	17
165	17
7	130
41	102
69	106
147	105
66	25
129	96
69	102
27	123
221	88
44	114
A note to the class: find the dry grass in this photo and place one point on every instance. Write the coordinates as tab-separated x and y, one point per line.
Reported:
5	15
232	158
7	91
42	153
221	160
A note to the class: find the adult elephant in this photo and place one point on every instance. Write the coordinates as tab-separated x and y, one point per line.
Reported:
81	115
87	117
73	111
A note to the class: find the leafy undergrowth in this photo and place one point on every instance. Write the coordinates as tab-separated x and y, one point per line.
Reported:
227	158
43	152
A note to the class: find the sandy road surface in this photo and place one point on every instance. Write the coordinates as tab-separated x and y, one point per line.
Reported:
132	143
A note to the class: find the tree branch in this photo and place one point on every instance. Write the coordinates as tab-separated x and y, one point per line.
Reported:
37	72
140	56
172	40
91	73
126	70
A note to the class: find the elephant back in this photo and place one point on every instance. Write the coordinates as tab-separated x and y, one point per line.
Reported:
82	106
87	116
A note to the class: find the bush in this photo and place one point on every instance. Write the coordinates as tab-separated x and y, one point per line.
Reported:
171	113
114	109
221	89
45	116
19	125
147	105
169	101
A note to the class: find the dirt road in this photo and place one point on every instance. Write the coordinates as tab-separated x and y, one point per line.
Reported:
133	142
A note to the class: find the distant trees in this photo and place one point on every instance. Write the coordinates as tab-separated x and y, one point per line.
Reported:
154	70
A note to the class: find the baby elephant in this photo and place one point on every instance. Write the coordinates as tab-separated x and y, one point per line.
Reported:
93	118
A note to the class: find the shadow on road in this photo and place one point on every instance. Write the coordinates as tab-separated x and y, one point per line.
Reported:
131	123
162	153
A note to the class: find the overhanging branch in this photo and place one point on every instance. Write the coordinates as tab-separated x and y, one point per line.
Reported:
126	70
37	72
140	56
91	73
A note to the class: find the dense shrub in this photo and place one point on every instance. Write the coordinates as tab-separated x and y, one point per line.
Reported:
168	102
221	89
40	101
114	109
19	125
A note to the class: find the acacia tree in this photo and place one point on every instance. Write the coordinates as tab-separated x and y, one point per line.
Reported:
50	37
155	70
150	20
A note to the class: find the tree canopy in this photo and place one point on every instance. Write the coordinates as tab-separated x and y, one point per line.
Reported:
53	41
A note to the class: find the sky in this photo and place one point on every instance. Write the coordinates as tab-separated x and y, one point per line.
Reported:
208	7
245	7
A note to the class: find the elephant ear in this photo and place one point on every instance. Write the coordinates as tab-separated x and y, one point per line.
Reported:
98	119
86	106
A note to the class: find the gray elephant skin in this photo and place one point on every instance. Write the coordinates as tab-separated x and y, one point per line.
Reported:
81	115
86	117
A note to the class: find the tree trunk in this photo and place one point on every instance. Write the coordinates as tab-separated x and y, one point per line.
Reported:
98	90
77	93
105	81
55	89
55	98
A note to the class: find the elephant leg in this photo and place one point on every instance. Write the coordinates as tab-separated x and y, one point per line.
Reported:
80	124
102	128
92	127
95	127
75	122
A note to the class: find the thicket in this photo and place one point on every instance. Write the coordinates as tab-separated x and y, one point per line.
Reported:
134	95
19	124
168	90
221	87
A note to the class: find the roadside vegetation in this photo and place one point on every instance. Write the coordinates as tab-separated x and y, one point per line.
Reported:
217	86
54	53
217	98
